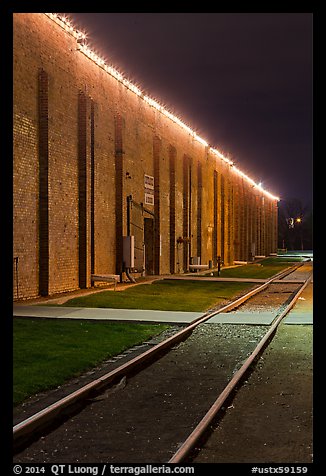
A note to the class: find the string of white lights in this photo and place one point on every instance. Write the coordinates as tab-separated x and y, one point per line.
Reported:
66	24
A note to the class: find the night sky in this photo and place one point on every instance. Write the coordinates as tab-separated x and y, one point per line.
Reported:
243	81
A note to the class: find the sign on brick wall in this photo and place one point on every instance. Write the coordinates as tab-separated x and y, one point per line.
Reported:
149	189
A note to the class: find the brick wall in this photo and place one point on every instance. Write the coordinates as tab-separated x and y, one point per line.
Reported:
82	143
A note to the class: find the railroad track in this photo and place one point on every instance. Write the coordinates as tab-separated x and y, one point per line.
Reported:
36	425
206	421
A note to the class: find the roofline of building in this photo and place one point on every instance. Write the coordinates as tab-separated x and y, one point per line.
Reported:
84	48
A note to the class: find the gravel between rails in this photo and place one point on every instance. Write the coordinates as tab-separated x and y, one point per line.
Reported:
274	297
271	419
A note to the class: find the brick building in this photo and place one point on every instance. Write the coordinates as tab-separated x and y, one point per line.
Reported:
96	160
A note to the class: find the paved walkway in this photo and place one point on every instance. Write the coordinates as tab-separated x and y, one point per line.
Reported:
302	313
61	312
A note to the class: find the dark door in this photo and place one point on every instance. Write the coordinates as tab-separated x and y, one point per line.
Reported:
149	245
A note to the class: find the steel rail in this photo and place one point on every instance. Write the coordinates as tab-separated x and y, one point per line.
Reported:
44	417
189	444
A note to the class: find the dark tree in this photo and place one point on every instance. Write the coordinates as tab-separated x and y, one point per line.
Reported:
294	225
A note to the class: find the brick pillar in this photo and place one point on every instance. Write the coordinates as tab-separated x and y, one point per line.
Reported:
257	204
254	224
263	226
242	221
246	223
222	216
157	211
250	225
272	228
215	231
118	192
82	188
92	189
190	175
273	247
43	153
199	207
172	159
268	227
185	223
275	226
231	223
227	219
237	222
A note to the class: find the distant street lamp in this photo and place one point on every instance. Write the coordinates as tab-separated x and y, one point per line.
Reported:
291	221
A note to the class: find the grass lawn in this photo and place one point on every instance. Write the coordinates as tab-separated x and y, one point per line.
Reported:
164	295
264	269
50	351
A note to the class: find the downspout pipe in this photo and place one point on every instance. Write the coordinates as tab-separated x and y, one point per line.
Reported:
131	278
